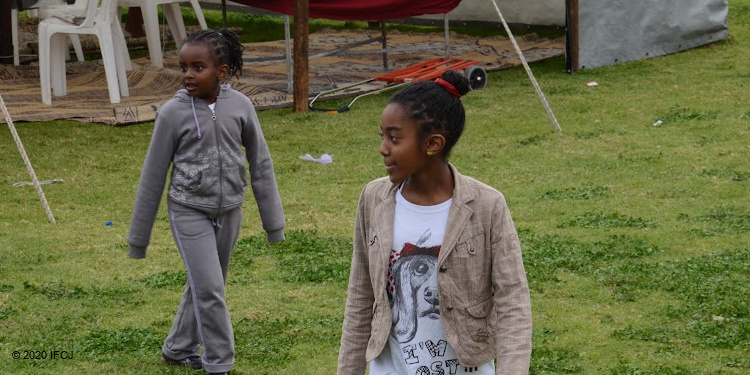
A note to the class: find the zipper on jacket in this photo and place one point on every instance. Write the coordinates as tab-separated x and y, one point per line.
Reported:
218	151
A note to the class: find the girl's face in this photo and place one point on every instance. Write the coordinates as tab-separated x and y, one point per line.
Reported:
200	75
402	149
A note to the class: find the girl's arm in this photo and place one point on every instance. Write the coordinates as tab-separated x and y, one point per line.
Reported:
263	178
151	187
359	304
512	301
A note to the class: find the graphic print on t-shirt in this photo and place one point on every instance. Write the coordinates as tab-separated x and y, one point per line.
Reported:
417	344
414	298
417	334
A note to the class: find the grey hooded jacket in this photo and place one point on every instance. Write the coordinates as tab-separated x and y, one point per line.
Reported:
208	164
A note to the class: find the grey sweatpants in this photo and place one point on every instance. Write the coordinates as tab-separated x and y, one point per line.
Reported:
205	245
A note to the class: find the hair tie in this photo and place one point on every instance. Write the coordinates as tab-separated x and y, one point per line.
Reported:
448	87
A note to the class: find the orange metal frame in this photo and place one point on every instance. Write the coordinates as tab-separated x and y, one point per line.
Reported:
426	71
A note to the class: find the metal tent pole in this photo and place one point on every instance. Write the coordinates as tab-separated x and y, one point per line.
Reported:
384	44
289	63
446	27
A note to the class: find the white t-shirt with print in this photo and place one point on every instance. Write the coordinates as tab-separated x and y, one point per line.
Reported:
417	344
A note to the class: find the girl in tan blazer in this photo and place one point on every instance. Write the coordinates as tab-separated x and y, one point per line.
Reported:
437	283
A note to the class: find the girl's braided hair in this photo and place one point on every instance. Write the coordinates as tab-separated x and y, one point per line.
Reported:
225	46
434	109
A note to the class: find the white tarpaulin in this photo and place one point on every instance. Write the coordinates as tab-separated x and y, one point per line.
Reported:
609	32
615	31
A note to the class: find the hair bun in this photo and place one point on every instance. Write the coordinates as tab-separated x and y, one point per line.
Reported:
457	79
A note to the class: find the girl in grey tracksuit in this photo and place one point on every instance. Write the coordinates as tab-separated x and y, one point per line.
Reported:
205	133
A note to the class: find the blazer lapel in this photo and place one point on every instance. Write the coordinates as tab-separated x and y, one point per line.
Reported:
458	216
384	215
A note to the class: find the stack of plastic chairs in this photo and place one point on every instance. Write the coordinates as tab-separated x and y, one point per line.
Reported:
173	15
99	19
47	9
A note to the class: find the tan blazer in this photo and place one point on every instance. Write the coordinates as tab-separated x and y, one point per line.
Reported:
484	295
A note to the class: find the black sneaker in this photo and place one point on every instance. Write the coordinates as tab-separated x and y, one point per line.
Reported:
193	361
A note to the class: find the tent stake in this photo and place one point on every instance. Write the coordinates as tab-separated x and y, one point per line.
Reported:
27	162
528	70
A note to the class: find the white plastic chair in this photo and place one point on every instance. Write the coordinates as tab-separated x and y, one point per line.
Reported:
14	35
171	9
100	20
50	8
47	9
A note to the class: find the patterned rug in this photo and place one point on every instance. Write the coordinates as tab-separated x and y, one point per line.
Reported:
264	82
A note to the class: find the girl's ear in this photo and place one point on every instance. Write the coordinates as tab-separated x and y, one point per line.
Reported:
223	73
434	144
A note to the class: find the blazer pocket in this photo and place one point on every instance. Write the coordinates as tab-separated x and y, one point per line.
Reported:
475	336
471	247
477	322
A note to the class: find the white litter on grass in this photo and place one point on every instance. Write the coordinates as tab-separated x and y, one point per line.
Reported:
324	159
657	123
592	84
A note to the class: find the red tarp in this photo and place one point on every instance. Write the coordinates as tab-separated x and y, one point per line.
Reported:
359	10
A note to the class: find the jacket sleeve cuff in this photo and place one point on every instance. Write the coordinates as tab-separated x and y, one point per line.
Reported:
137	252
275	235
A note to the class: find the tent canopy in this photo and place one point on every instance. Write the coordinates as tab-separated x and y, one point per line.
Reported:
363	10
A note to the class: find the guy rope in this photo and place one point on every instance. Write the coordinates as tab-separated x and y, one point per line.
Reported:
26	161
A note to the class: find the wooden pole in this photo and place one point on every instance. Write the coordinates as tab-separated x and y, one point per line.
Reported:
134	24
301	55
224	13
571	36
6	39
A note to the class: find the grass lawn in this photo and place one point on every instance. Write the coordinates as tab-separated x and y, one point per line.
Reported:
636	237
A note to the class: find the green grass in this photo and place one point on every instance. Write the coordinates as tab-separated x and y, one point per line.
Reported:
636	237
